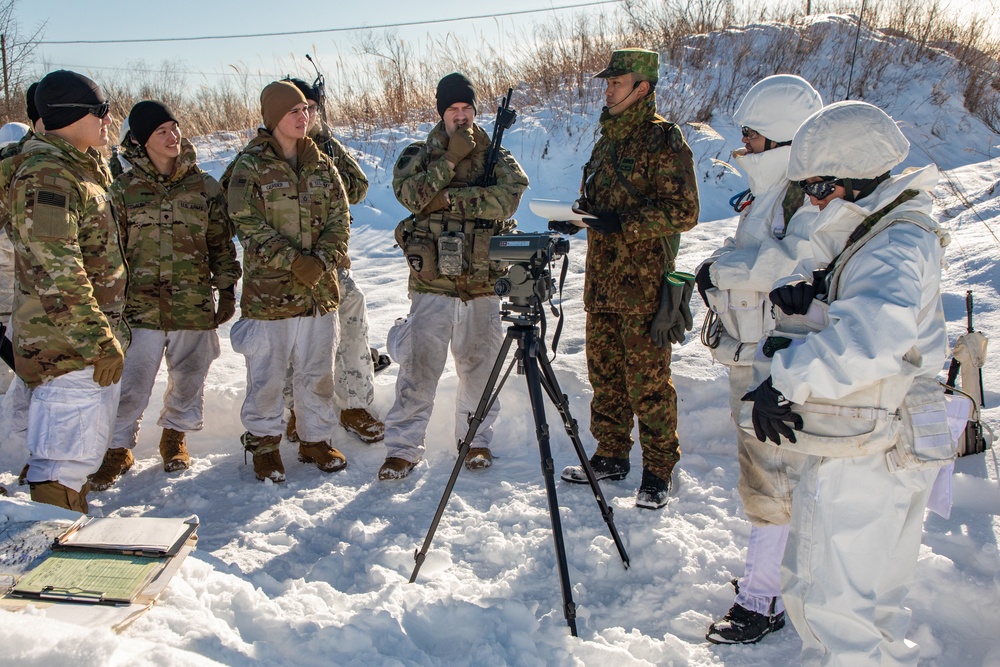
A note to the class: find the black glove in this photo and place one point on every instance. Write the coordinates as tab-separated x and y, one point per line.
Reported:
563	227
604	223
227	305
704	281
674	315
794	298
770	412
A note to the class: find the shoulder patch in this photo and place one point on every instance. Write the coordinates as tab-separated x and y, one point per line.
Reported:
50	215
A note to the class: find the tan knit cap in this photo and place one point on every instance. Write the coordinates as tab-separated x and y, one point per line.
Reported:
277	99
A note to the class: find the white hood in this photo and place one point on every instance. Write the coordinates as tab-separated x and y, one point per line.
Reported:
775	106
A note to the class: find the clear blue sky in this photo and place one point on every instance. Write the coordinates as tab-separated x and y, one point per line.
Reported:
203	61
271	56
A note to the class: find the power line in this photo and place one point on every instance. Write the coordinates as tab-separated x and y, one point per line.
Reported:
129	68
327	30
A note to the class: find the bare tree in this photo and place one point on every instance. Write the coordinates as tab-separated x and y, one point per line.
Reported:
16	56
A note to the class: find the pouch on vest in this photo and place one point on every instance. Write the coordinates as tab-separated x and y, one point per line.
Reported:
450	253
931	423
746	315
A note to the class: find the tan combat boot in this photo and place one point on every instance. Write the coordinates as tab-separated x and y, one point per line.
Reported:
326	458
54	493
395	468
117	461
478	458
363	424
290	433
266	457
173	449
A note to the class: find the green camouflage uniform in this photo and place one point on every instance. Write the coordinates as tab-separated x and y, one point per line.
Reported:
422	172
352	177
279	213
71	271
624	275
178	242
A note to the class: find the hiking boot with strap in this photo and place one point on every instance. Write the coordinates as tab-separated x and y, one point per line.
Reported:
290	433
478	458
173	449
326	458
117	461
742	626
395	468
363	424
266	457
654	491
604	467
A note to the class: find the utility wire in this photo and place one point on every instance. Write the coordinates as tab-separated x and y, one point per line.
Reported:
327	30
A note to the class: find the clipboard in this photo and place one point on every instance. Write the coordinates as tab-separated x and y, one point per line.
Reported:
136	536
89	577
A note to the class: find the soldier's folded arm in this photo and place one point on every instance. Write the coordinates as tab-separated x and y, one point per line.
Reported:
417	180
495	202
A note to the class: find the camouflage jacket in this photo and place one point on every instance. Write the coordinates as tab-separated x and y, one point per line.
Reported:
71	274
352	177
280	213
8	165
421	172
178	242
625	270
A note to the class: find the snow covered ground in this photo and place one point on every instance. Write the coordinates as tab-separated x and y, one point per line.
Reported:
315	571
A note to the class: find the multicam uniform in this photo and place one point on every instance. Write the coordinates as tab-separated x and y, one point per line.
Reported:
71	284
178	243
7	167
624	275
463	309
280	213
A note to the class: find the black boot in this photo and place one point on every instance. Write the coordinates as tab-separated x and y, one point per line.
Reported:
742	626
653	491
604	467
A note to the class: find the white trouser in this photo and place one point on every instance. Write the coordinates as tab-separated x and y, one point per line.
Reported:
762	577
421	349
70	420
355	373
16	402
270	347
850	560
189	355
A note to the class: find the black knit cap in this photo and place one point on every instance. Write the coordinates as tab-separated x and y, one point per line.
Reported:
311	93
452	89
62	87
29	98
145	117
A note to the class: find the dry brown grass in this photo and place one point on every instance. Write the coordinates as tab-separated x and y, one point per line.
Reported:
387	83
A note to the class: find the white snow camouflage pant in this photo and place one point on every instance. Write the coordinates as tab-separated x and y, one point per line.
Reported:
850	560
70	419
270	347
420	346
189	355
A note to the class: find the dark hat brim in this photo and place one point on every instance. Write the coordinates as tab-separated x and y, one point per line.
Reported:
611	72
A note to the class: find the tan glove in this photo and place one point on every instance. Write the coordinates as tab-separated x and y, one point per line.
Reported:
227	305
308	270
108	368
461	144
439	203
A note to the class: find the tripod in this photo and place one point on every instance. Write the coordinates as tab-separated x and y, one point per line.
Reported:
534	365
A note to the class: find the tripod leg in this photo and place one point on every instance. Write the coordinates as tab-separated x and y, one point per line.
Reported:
531	374
489	396
561	401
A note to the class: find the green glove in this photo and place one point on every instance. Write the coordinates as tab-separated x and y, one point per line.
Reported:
674	315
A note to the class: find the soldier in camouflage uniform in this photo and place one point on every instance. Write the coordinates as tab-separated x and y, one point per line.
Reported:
69	333
640	187
179	248
290	211
354	368
451	290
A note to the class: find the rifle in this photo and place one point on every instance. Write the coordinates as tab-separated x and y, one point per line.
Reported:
319	85
505	118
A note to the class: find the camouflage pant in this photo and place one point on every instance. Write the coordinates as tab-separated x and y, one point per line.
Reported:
631	376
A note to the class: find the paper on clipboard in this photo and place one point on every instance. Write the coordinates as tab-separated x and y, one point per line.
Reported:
136	535
553	209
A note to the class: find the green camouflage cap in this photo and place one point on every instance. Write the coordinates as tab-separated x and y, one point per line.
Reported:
644	63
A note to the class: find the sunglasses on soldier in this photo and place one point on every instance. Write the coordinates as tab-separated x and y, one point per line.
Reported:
749	133
821	189
100	110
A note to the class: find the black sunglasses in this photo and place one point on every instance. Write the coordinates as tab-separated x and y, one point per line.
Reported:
749	133
821	189
100	110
